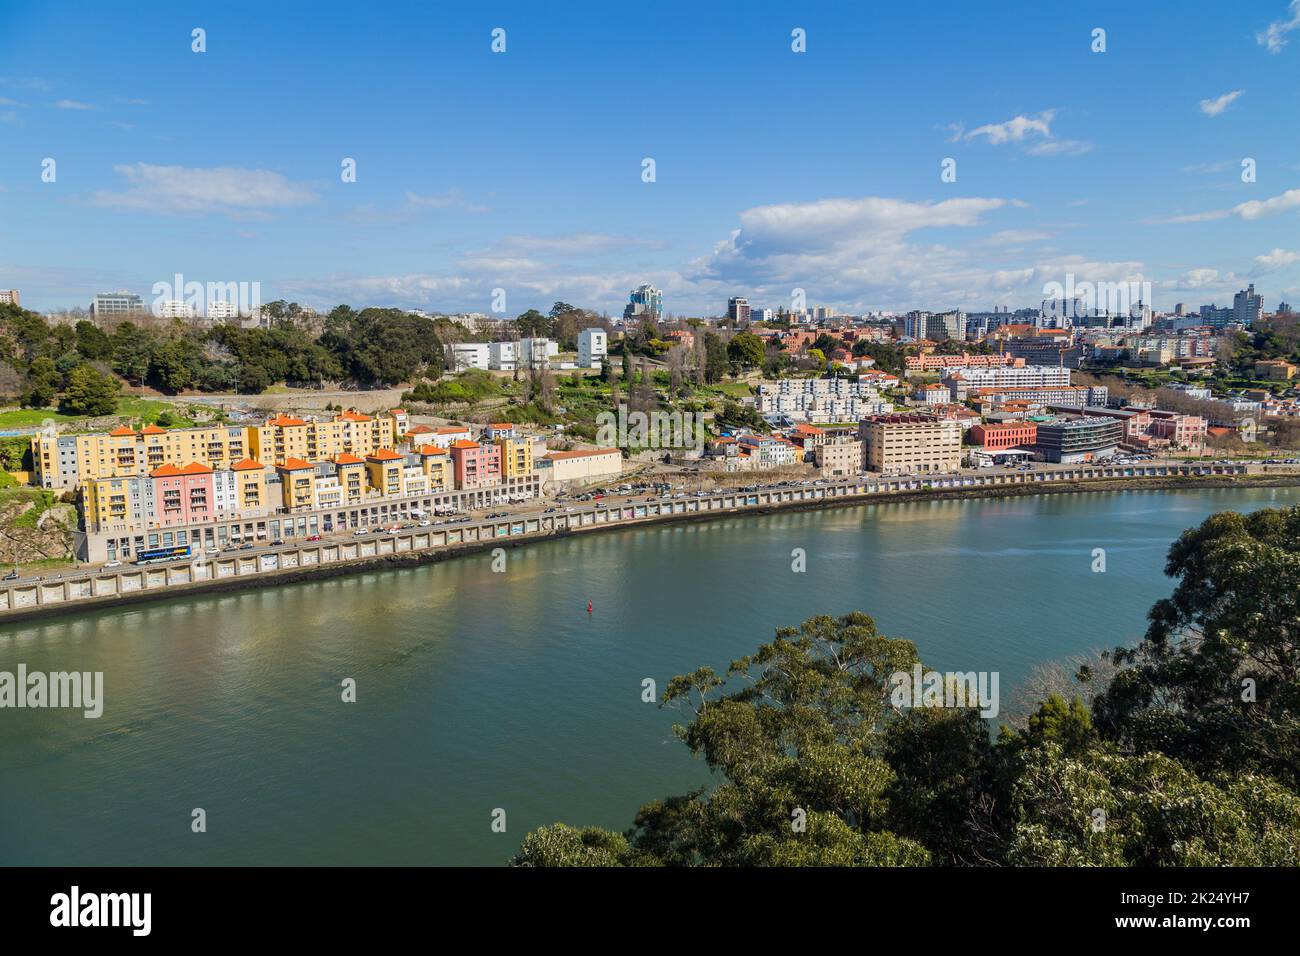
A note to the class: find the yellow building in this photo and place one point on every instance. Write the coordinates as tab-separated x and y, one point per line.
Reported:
352	476
66	461
349	433
436	463
117	504
516	456
297	483
384	469
250	485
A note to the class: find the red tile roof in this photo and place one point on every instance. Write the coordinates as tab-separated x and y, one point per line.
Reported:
164	471
122	431
153	430
384	454
285	421
195	468
346	459
246	464
431	450
293	464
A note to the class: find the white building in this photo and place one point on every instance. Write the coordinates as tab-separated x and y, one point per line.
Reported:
819	400
502	356
537	353
220	311
173	309
592	347
1028	376
467	355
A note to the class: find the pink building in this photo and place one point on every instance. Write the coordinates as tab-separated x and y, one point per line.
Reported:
184	496
475	465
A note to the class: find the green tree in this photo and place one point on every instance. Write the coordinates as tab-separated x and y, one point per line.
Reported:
745	350
532	324
1216	680
42	383
90	392
715	358
93	342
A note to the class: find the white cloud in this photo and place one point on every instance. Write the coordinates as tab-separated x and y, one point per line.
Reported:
1216	105
230	190
452	199
72	105
1274	36
1259	209
1032	133
1277	259
1253	209
1015	130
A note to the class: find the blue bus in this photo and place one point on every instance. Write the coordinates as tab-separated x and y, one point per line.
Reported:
156	555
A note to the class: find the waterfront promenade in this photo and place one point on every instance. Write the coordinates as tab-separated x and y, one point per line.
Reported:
271	564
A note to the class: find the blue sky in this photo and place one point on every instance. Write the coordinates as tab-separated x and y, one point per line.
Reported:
774	170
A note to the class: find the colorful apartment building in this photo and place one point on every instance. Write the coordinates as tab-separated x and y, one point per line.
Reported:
67	461
183	496
436	463
297	483
931	362
118	504
516	456
475	465
348	433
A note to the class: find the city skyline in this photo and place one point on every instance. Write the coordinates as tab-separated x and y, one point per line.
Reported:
817	170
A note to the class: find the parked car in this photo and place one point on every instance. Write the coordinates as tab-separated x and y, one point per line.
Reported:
278	543
112	564
313	537
361	531
12	575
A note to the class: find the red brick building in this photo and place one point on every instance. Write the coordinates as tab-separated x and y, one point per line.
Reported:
998	436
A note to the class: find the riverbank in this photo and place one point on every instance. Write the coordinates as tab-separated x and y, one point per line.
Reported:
335	559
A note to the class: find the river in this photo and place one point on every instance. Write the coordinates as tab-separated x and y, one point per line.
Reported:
479	690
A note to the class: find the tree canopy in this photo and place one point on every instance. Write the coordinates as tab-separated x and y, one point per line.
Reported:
1188	757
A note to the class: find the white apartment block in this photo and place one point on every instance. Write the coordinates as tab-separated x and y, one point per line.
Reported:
220	311
537	353
502	356
467	355
819	400
173	309
1008	376
592	347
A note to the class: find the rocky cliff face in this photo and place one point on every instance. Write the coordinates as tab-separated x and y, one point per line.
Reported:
35	526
